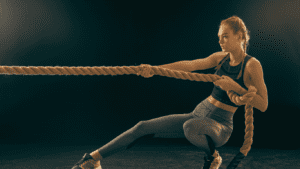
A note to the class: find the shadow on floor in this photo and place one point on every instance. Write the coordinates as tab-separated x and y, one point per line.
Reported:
162	155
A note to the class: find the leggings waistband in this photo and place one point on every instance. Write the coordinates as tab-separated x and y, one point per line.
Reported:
218	114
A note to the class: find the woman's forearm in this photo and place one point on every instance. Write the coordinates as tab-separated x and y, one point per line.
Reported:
257	102
180	66
239	89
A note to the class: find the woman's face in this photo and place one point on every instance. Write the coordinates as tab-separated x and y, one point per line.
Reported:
227	40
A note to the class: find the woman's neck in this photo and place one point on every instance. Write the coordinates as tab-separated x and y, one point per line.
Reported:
237	57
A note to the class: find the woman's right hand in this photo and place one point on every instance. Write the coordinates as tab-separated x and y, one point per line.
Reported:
146	71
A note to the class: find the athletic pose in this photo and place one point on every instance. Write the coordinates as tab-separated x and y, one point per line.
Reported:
211	123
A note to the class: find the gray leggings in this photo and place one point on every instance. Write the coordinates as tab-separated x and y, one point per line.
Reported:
206	119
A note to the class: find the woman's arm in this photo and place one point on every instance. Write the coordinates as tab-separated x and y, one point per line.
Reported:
257	102
198	64
260	101
180	65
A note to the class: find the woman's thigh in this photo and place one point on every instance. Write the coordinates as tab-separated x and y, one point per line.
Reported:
219	133
166	124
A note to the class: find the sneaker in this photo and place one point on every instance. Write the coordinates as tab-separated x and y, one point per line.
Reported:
87	162
213	162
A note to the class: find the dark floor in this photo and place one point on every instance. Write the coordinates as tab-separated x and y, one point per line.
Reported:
141	156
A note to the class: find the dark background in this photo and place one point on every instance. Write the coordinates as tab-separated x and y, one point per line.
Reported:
90	109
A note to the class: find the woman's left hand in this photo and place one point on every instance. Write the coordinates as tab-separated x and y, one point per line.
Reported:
226	83
233	98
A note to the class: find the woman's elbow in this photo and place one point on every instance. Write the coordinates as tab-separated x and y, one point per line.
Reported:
264	109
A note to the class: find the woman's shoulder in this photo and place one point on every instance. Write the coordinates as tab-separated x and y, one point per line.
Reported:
252	60
252	63
220	56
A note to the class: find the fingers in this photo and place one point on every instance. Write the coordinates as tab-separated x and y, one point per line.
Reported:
230	95
248	97
217	82
146	71
243	100
223	77
235	98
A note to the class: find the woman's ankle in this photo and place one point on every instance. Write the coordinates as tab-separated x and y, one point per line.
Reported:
209	158
96	155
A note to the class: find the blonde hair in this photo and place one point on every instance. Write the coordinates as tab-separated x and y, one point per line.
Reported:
237	25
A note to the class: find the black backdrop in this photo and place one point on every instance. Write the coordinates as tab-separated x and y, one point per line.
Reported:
89	109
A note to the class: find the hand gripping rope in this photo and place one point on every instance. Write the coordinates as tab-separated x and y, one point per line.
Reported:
156	70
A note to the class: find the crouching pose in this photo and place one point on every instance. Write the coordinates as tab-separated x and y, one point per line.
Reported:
211	123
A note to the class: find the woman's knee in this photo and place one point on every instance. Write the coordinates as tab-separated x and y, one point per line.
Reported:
139	128
194	124
197	126
189	129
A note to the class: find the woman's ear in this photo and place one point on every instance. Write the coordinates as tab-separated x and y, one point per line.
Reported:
241	37
238	36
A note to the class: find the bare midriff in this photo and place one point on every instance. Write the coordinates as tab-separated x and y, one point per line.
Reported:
221	105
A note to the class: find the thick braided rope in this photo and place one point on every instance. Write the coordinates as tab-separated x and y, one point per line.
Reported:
156	70
248	116
103	70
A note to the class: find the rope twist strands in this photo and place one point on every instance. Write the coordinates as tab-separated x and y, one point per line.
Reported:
249	126
117	70
103	70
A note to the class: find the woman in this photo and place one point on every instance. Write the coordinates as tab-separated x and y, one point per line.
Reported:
211	123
